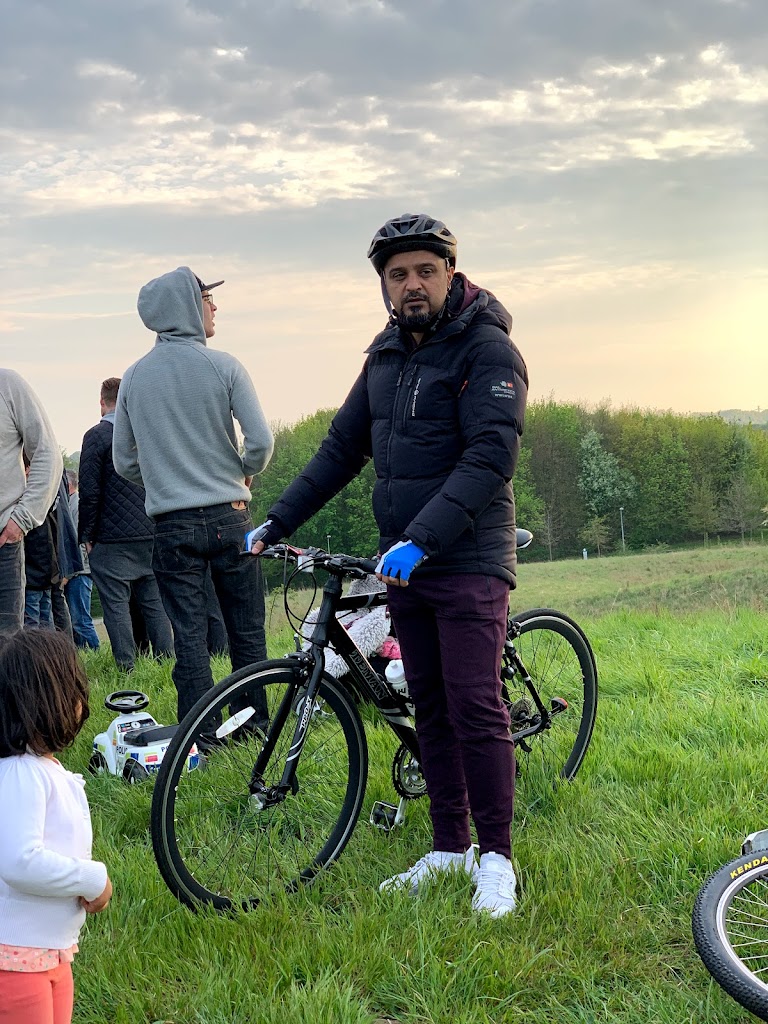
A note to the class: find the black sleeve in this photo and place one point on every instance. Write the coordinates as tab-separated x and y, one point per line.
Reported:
91	471
491	414
341	456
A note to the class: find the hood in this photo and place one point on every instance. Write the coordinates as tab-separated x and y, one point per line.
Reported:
464	295
172	307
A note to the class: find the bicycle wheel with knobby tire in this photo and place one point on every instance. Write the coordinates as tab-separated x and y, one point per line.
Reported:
557	655
220	834
730	929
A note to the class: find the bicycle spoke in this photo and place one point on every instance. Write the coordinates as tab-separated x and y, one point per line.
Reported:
556	656
233	846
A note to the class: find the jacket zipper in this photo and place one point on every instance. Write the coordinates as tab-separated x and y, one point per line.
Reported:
389	441
408	397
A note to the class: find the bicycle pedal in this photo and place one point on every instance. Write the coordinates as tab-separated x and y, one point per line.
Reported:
385	816
755	841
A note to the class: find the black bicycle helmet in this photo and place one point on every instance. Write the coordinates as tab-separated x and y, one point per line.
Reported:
411	231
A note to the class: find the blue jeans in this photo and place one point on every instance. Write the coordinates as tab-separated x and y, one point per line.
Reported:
78	595
187	543
11	587
37	609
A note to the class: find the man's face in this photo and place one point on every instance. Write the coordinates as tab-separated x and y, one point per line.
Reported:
209	311
417	284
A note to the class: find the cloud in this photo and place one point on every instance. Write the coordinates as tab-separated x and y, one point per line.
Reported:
662	107
592	157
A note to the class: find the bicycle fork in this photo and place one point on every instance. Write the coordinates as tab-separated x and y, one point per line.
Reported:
263	796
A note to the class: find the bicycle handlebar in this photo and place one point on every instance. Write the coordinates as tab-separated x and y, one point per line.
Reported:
339	564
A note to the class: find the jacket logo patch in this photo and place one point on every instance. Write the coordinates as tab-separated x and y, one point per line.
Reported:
415	396
504	389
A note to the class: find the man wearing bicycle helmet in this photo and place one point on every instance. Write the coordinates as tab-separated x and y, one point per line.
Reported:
439	406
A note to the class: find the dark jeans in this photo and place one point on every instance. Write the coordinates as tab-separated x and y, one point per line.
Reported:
11	587
78	595
119	570
60	611
218	642
187	543
451	631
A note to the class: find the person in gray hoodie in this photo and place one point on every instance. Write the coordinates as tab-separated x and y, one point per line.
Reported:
175	435
24	500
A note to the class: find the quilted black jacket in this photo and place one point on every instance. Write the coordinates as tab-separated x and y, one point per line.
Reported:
442	421
111	508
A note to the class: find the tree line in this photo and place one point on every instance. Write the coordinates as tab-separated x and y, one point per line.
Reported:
599	478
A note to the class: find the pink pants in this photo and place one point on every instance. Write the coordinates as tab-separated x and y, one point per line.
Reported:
43	997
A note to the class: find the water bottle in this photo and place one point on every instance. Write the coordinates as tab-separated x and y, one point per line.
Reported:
396	677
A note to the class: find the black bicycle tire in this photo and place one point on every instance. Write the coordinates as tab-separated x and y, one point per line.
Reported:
554	621
713	901
533	612
174	871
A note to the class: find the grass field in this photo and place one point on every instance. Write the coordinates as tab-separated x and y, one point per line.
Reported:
609	866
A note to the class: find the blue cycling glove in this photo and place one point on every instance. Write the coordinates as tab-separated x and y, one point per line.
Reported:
268	533
401	559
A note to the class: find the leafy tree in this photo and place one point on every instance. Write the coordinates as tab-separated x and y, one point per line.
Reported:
704	510
604	485
529	508
596	534
553	434
742	506
551	529
652	449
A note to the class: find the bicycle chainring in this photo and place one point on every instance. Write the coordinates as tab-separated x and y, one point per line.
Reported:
407	777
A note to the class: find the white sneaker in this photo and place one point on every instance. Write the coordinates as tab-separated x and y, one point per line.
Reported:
427	867
495	885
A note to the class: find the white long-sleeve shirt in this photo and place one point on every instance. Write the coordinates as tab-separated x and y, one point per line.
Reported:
45	853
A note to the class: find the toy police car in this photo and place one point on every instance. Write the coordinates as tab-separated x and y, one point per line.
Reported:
134	743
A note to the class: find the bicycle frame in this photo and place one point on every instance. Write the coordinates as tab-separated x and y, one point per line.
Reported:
545	715
328	630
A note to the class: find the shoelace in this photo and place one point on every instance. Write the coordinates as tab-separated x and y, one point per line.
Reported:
427	861
499	880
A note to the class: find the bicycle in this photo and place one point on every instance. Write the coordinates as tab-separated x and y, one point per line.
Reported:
276	807
730	925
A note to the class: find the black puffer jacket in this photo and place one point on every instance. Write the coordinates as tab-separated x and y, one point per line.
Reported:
443	422
111	508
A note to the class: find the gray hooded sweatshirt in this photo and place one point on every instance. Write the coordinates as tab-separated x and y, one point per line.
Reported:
174	430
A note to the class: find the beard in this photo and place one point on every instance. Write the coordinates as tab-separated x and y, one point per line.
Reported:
416	320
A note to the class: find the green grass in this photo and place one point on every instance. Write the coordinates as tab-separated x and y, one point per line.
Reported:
609	866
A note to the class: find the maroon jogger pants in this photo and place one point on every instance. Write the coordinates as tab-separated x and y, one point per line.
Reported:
452	630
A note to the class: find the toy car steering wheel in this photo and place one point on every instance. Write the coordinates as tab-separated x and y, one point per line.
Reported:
126	701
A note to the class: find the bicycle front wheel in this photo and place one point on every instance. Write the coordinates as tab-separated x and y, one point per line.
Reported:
217	838
730	929
556	654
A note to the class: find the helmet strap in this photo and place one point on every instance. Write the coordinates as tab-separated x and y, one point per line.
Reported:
385	295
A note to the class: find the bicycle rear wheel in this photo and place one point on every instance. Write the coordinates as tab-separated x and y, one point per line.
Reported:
217	840
557	655
730	930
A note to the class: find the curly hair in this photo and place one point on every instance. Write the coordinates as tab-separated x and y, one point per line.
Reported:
43	692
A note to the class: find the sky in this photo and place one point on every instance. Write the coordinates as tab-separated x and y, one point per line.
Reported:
603	164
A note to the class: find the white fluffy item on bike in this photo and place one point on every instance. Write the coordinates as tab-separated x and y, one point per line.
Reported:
368	627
